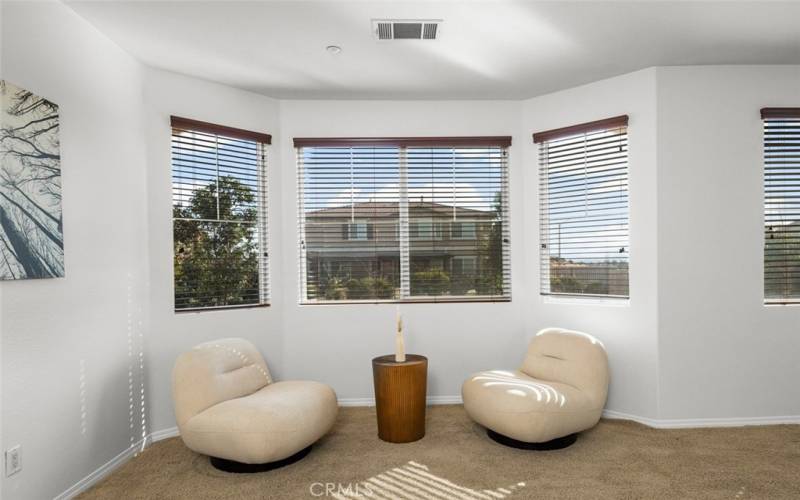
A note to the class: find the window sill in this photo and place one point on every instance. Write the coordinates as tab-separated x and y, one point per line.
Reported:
453	300
219	308
587	300
778	303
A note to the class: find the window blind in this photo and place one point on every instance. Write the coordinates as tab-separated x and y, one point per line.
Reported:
219	206
781	204
584	209
403	219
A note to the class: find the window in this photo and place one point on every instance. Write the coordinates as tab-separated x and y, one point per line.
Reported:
463	231
356	231
427	230
464	265
219	216
584	209
403	197
781	205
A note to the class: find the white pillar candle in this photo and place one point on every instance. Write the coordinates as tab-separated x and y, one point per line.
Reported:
399	344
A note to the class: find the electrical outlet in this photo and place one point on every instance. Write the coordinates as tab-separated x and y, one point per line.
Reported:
13	460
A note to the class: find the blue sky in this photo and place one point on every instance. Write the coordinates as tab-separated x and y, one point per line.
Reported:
464	177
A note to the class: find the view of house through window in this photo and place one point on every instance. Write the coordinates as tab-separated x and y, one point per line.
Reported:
781	204
403	222
219	217
584	209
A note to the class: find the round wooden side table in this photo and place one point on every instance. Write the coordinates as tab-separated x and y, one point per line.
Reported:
400	390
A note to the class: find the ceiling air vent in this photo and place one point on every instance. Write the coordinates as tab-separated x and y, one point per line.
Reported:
421	29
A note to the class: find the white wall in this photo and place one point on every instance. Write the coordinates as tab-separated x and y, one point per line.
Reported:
336	343
318	342
669	346
93	317
628	328
172	333
722	352
693	341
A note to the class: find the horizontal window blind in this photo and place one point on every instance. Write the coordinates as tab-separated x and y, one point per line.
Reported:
219	204
584	209
349	216
456	199
405	222
781	204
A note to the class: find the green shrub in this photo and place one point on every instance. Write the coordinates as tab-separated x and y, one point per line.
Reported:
430	282
382	288
368	288
596	288
565	284
335	289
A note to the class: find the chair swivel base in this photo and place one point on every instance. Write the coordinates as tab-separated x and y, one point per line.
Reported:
226	465
555	444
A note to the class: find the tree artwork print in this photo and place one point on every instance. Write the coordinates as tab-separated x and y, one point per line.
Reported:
31	233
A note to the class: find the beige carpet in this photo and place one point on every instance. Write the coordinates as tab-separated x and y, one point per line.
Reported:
616	459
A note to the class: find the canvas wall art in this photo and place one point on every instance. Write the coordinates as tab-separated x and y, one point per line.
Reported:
31	236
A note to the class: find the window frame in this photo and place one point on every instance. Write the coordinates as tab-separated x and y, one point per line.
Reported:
543	139
260	225
503	143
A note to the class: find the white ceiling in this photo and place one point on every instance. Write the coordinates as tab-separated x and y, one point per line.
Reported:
487	50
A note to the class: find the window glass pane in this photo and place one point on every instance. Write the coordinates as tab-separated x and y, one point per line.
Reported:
463	231
219	212
403	223
584	214
356	230
782	210
350	207
456	202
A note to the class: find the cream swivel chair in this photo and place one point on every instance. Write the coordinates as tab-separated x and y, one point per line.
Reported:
228	407
559	391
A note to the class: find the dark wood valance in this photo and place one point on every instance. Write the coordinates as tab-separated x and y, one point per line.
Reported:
772	113
486	141
212	128
583	128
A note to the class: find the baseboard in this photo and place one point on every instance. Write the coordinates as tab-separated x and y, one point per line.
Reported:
617	415
109	467
356	402
170	432
116	462
444	400
689	423
431	400
103	471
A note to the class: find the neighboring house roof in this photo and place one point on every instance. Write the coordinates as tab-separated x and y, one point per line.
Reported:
389	209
